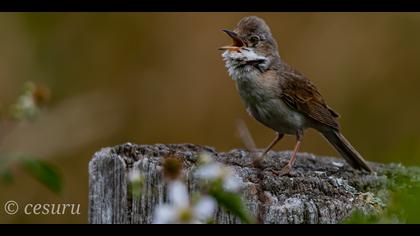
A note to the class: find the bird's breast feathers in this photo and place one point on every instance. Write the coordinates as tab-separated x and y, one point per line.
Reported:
260	95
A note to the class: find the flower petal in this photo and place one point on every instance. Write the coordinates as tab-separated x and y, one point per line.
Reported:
134	175
178	194
232	183
209	171
205	158
165	214
205	208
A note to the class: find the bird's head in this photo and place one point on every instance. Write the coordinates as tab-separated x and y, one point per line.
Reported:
252	43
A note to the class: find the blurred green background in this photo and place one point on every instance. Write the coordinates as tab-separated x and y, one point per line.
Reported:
159	78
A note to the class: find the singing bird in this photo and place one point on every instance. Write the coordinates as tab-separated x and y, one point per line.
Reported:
279	96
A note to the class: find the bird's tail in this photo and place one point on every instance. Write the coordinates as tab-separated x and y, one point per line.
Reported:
340	143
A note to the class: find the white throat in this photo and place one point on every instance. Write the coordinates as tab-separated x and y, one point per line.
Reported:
239	63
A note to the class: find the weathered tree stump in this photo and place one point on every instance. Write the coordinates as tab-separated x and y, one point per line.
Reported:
319	190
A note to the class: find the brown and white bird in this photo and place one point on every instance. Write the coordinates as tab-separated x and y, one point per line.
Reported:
279	96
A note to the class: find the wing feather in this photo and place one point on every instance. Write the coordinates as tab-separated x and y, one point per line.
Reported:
300	94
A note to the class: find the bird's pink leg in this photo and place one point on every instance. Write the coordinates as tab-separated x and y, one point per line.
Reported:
274	142
286	169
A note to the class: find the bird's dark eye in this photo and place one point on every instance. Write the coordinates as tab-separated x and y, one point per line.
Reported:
254	39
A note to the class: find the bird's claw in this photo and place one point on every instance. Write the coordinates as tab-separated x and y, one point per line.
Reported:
284	171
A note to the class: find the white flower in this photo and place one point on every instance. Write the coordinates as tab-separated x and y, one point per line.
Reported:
134	176
137	181
210	171
165	214
27	102
232	183
213	171
178	194
205	208
181	210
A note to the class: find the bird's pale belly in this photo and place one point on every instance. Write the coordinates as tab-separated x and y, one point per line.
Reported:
269	109
277	115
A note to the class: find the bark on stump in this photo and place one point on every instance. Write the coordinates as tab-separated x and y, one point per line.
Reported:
319	190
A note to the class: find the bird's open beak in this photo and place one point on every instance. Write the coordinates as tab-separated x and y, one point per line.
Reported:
237	42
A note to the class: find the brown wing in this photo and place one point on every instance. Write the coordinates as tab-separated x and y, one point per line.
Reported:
300	93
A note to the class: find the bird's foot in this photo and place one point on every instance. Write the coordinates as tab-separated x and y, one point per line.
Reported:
286	170
272	171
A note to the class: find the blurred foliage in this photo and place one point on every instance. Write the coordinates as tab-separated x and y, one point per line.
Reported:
137	183
402	205
231	202
6	174
29	102
40	170
211	184
44	173
172	167
220	182
27	108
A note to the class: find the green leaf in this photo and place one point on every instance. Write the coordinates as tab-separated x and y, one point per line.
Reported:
6	176
403	207
231	202
136	187
44	173
360	218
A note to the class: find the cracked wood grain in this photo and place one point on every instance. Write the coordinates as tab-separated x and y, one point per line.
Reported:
319	189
